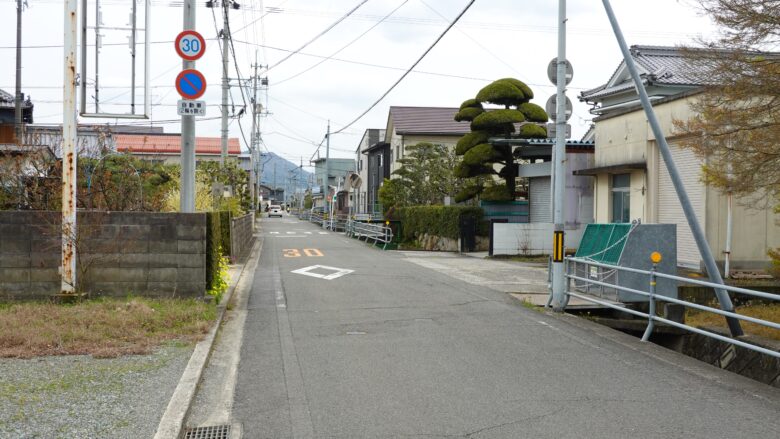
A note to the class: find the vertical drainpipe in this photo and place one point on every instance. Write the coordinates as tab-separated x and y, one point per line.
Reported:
729	227
69	127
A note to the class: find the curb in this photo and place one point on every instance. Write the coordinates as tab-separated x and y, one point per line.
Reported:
172	421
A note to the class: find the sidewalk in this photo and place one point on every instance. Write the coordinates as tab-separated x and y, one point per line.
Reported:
525	281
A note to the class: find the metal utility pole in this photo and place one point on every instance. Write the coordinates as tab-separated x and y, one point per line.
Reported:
327	169
69	127
559	181
276	189
187	190
225	81
253	147
18	114
663	147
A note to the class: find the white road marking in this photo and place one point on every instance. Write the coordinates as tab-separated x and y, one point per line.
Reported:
274	233
323	233
337	272
291	233
308	233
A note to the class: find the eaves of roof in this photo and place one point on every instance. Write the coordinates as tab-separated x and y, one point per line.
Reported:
375	147
638	106
614	169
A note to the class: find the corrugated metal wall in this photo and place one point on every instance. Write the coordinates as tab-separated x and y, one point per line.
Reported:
669	208
540	200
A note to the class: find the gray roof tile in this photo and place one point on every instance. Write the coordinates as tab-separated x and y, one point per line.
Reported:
427	120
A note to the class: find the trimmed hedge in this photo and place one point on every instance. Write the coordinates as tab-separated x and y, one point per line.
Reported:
213	245
440	221
224	224
217	237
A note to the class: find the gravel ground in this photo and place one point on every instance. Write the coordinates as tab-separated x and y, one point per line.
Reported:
84	397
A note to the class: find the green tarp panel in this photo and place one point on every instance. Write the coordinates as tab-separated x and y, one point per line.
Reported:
603	242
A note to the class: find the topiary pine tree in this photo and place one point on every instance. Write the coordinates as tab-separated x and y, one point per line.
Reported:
481	158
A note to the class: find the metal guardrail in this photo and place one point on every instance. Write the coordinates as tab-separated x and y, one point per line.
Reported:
376	232
317	218
652	318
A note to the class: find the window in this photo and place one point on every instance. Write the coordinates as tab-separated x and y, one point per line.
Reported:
621	198
360	165
379	160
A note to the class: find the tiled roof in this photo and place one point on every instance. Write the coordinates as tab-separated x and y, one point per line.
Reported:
427	120
5	96
171	144
659	64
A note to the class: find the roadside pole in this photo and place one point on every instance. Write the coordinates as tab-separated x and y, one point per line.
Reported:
559	182
18	104
682	195
253	147
225	85
327	170
187	188
69	133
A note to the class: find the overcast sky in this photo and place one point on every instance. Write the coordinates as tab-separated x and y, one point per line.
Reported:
494	39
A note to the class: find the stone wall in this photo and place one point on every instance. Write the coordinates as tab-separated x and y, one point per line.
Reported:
241	236
119	253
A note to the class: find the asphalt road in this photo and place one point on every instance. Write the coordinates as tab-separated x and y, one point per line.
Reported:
395	349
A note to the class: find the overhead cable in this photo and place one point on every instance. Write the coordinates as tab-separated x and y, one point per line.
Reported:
344	46
319	35
410	68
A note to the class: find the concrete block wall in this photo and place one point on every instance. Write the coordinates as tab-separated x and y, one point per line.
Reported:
241	236
120	253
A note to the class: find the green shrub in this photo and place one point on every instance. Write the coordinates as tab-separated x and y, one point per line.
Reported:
440	221
470	140
470	103
219	284
468	114
501	93
497	121
533	131
480	154
533	112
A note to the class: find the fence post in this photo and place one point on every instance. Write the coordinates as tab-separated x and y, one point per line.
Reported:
655	257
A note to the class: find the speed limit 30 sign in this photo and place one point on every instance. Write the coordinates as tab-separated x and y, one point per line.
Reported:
190	45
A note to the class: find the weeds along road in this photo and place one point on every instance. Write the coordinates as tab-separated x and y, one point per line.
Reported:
343	340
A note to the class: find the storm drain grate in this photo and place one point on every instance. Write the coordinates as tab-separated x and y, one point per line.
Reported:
210	432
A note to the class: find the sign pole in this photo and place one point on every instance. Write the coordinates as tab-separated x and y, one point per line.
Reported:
69	133
187	183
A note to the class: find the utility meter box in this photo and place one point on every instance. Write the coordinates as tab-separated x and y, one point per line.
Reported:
627	245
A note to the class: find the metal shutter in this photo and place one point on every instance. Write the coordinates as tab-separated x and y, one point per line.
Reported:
669	208
540	202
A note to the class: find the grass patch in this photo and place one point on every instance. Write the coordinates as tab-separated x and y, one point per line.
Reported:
770	312
103	328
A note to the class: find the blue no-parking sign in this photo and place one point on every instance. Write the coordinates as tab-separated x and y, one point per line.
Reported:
190	84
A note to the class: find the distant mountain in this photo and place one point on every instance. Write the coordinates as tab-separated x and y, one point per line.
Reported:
272	164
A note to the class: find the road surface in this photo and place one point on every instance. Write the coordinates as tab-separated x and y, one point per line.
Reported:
377	346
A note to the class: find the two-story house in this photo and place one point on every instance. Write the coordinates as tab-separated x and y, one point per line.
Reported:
631	180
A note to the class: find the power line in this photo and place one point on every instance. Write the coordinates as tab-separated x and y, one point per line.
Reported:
319	35
345	46
410	68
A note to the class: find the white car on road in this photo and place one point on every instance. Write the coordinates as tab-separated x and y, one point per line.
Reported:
275	210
